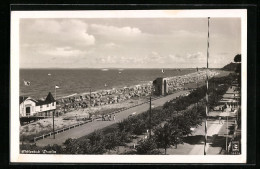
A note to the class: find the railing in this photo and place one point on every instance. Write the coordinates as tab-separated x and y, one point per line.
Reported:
80	124
60	130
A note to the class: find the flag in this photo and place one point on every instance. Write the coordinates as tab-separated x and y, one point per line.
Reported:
49	74
57	87
162	70
26	83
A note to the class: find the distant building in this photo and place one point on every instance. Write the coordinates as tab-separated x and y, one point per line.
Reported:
160	86
32	107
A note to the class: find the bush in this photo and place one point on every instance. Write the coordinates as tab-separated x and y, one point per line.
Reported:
110	141
147	146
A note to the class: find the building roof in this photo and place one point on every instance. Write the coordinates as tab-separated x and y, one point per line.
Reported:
49	98
21	99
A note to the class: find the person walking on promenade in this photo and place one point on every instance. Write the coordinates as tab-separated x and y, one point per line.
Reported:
92	117
114	117
220	121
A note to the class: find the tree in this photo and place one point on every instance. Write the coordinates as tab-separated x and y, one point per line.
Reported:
126	125
95	137
163	136
237	58
147	146
238	69
94	144
139	127
180	126
123	137
71	146
110	141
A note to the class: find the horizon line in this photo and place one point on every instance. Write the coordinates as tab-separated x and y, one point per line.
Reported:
127	68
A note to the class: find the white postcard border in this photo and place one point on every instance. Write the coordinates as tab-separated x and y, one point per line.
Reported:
15	156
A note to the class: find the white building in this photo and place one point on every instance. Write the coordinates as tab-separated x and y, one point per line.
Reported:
32	107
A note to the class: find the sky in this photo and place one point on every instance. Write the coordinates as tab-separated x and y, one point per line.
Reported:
128	42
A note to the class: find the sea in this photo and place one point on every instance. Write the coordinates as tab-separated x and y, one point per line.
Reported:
77	81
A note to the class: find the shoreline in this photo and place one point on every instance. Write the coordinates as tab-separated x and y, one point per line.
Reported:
145	83
77	114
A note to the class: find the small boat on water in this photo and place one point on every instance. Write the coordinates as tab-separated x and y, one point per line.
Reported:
119	72
162	70
104	69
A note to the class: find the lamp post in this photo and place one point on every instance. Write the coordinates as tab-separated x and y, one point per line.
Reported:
150	118
150	112
54	114
227	136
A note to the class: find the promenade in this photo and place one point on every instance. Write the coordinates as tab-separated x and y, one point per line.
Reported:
98	124
218	131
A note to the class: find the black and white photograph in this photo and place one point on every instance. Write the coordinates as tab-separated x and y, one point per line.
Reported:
132	86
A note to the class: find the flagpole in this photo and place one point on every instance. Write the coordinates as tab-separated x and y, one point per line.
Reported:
23	101
205	142
23	105
197	89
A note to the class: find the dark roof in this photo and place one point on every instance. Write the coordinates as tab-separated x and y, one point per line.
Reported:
21	99
49	98
40	102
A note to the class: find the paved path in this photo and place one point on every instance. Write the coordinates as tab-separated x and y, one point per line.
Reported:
214	129
92	126
216	133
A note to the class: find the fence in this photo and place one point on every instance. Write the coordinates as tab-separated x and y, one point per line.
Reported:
82	123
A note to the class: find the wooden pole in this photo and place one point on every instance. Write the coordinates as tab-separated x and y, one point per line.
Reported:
197	89
150	118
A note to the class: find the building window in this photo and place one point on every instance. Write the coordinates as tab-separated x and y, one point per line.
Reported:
28	111
53	104
47	105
